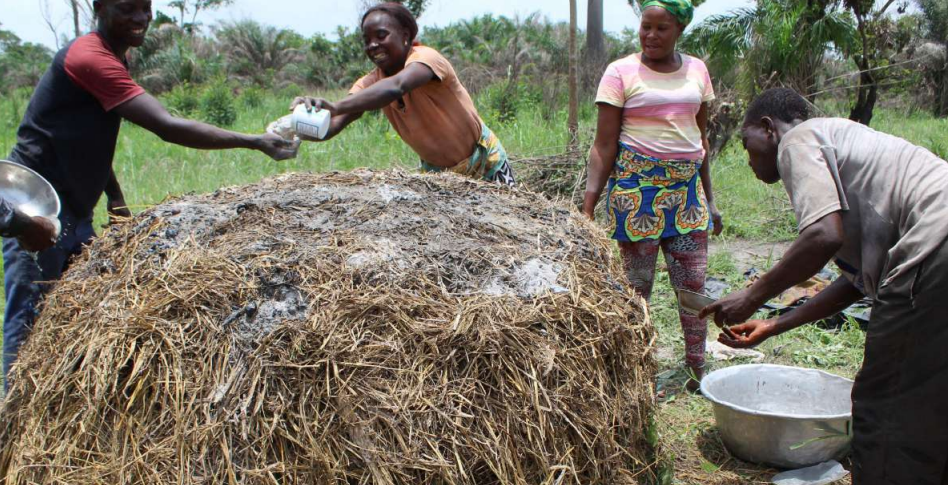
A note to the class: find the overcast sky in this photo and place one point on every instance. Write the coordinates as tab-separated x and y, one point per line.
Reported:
25	17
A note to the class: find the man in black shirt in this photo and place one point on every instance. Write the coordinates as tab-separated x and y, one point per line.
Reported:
68	136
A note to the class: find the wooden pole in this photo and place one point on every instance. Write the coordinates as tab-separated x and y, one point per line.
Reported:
75	17
573	120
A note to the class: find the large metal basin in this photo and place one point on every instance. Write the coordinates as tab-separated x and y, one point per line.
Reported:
787	417
27	190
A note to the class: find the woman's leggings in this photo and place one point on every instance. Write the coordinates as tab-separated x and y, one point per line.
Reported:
687	259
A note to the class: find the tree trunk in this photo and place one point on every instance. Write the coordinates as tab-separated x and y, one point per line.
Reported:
573	121
868	87
865	96
595	41
941	88
594	58
942	108
75	16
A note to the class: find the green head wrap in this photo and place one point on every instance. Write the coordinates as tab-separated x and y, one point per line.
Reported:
682	10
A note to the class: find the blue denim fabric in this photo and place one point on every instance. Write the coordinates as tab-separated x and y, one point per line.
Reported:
26	279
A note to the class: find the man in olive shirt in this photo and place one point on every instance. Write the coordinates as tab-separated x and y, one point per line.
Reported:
879	206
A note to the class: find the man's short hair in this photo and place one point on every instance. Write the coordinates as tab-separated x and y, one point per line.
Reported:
782	104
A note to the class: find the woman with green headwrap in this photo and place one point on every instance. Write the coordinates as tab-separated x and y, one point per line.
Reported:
651	147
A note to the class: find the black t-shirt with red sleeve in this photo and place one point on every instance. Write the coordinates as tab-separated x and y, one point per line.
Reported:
69	130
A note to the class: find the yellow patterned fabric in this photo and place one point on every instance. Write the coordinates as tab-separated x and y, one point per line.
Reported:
488	158
651	198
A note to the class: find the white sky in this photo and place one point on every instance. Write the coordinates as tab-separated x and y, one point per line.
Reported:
25	18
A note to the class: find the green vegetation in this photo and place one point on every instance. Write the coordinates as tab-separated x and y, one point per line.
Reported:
776	42
217	104
183	100
21	64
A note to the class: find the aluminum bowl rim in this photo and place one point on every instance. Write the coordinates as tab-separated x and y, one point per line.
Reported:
34	172
799	417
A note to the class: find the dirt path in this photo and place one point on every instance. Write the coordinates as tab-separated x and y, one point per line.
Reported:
747	253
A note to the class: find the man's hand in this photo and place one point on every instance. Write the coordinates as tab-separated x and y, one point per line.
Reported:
40	234
749	334
118	210
715	218
734	308
313	104
278	148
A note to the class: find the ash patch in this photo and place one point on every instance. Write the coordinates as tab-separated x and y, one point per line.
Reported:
388	194
286	303
279	300
383	251
533	278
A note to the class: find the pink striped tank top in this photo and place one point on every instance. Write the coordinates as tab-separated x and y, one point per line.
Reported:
658	109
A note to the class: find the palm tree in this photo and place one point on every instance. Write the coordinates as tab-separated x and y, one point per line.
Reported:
778	42
258	51
416	6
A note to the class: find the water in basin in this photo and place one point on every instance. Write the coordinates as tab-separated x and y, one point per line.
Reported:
787	391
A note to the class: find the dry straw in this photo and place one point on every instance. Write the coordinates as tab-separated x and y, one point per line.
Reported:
343	328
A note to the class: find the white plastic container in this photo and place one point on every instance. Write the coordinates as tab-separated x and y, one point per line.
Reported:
314	124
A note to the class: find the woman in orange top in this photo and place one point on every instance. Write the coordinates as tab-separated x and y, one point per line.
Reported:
420	94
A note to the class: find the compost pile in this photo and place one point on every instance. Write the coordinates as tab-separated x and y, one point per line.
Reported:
340	328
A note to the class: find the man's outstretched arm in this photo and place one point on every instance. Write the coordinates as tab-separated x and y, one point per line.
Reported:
146	111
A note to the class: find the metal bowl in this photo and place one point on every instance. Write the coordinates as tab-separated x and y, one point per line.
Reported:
27	190
787	417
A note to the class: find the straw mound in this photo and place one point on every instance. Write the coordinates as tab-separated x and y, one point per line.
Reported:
365	327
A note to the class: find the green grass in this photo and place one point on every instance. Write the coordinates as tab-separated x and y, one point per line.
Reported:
750	209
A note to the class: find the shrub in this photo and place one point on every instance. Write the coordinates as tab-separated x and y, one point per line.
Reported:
170	57
291	91
182	100
251	97
217	104
336	63
508	98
